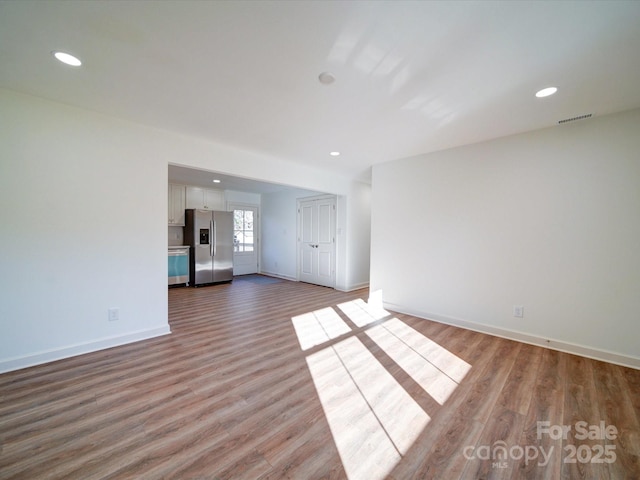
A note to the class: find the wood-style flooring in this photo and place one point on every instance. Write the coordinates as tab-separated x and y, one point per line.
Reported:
266	379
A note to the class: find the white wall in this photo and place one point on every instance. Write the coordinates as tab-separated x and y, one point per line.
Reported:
246	198
83	225
354	237
278	225
549	220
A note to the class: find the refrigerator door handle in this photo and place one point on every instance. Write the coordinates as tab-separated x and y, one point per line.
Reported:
211	237
215	238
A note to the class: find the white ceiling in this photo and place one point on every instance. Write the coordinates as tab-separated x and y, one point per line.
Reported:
411	77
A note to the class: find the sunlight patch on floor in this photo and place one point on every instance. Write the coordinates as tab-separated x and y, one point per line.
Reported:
373	419
448	363
362	313
318	327
438	384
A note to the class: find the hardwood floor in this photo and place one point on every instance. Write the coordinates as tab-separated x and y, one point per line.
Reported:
269	379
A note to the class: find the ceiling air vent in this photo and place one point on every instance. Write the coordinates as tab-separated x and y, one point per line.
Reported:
573	119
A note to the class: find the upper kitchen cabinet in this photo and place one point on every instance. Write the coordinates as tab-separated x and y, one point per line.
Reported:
205	199
176	204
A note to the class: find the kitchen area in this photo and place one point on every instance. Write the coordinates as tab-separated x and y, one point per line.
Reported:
263	238
200	236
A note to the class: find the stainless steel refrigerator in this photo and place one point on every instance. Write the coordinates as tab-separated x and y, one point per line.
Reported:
210	236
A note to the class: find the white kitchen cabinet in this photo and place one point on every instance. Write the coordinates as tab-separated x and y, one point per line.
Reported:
205	198
176	204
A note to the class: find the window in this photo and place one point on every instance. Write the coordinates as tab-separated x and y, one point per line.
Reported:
243	240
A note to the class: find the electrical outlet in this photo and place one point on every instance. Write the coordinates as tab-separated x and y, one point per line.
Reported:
518	311
114	314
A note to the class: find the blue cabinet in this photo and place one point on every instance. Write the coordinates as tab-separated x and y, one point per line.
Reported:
178	265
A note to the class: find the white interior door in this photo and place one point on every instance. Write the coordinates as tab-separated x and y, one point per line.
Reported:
316	241
245	239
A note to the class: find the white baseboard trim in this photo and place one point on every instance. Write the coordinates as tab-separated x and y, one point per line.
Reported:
341	288
277	275
351	288
39	358
553	344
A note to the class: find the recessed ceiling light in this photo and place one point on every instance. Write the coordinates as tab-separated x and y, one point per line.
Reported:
334	154
215	180
326	78
67	58
545	92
